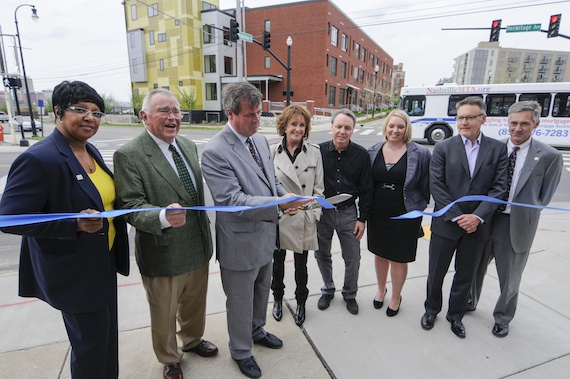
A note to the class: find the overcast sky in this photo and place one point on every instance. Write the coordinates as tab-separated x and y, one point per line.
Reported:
85	39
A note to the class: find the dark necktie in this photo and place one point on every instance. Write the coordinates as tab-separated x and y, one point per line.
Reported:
249	144
183	174
510	172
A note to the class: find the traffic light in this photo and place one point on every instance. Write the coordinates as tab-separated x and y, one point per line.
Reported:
495	31
234	30
266	40
554	25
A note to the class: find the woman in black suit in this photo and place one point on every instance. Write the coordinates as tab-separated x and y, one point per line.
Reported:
72	264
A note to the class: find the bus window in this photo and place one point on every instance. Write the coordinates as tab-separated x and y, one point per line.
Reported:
561	105
414	105
542	98
498	105
453	100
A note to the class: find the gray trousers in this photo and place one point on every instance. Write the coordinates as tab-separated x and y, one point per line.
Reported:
247	293
510	267
343	223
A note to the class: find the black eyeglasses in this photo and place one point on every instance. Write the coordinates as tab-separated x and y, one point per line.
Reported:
84	112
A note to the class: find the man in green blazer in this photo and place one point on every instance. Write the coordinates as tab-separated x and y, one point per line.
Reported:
173	247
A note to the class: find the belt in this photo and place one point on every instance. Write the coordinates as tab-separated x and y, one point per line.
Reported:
343	206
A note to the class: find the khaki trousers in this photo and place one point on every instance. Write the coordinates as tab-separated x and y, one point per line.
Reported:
179	298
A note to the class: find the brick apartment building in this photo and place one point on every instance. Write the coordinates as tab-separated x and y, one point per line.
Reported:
333	61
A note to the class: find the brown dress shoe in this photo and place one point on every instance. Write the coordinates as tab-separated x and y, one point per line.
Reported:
203	349
172	371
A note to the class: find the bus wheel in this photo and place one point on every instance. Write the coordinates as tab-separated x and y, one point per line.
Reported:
437	133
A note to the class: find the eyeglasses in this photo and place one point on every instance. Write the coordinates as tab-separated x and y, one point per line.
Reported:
84	112
166	111
468	118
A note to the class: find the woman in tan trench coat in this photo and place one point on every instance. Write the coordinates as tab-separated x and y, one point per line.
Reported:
299	168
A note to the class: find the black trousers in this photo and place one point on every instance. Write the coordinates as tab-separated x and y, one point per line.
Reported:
301	275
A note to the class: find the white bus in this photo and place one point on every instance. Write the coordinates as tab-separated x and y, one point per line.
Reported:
432	109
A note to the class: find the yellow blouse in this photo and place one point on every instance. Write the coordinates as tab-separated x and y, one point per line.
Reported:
106	188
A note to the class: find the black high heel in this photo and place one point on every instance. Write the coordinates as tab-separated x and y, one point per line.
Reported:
379	304
391	312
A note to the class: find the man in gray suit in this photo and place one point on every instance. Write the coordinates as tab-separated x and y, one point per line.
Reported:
239	171
466	164
535	176
173	247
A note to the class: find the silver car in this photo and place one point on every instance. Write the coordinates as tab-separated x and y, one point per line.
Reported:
27	122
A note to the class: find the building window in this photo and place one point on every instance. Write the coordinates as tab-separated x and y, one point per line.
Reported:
341	95
209	63
267	62
333	66
228	65
371	60
343	70
344	42
207	6
326	89
155	86
357	51
152	10
334	36
267	26
151	37
166	88
327	61
134	65
361	76
161	63
133	42
180	83
211	91
161	37
355	74
332	95
226	36
208	32
134	12
176	22
363	55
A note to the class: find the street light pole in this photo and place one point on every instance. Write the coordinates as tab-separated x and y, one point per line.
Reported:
289	43
35	18
376	69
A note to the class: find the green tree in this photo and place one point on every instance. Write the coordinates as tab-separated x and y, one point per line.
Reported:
109	102
187	99
136	101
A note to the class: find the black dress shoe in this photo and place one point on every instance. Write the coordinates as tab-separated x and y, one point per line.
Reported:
249	367
379	304
278	310
500	330
352	306
324	301
203	349
271	341
427	321
172	371
391	312
300	315
457	327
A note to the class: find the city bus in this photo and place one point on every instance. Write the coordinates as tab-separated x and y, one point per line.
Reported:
432	109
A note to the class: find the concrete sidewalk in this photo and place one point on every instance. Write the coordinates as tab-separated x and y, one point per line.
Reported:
334	343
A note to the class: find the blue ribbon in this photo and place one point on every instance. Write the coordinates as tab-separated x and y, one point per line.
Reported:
24	219
416	214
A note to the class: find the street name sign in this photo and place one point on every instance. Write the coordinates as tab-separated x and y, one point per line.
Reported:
245	37
523	28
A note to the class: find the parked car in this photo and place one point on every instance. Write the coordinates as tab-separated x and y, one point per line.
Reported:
4	117
27	122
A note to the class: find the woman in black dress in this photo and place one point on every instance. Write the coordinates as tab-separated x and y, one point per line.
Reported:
400	170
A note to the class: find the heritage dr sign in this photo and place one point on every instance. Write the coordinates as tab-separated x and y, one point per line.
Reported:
523	28
245	37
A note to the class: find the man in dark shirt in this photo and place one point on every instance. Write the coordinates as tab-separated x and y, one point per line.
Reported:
347	170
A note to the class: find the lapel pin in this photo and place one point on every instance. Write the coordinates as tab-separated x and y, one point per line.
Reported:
79	177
